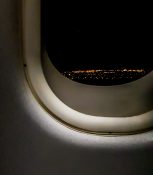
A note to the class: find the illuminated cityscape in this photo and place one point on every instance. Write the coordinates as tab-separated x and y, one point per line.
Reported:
105	76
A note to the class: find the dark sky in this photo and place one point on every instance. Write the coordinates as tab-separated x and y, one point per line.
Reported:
82	39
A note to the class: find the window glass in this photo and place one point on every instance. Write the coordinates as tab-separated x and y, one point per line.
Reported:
92	47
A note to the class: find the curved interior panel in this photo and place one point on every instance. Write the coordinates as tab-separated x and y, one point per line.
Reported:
32	142
125	100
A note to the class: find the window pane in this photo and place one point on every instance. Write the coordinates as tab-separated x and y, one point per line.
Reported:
89	46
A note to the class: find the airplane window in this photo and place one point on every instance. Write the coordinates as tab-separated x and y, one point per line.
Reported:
89	48
69	42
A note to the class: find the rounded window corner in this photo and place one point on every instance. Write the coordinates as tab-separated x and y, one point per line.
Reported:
121	109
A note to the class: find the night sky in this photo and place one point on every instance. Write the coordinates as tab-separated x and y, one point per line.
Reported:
82	38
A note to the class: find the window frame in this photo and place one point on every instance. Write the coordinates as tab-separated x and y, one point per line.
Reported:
50	101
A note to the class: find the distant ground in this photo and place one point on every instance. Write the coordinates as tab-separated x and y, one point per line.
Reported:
106	76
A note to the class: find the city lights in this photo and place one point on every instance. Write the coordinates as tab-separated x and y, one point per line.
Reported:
105	76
